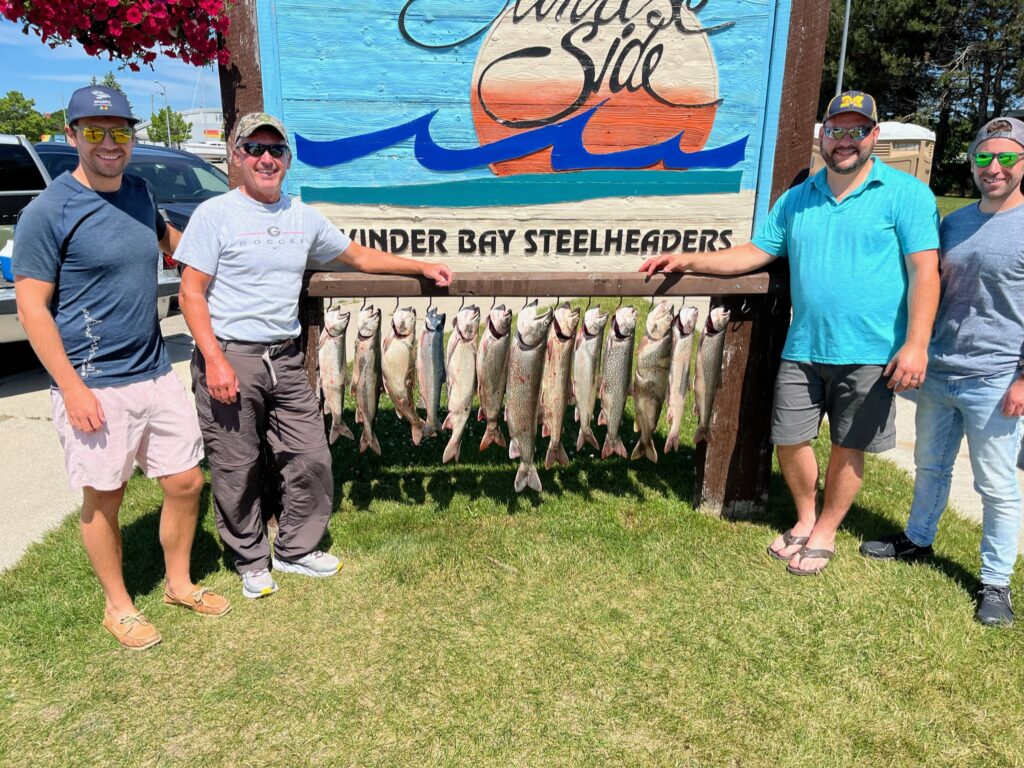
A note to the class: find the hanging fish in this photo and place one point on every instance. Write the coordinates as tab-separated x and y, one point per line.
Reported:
586	368
709	370
492	372
615	378
525	367
650	383
333	369
397	363
460	362
679	372
555	384
366	378
430	369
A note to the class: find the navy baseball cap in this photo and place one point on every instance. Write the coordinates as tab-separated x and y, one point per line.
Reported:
99	101
852	101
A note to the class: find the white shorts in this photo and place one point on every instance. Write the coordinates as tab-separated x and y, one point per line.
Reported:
150	423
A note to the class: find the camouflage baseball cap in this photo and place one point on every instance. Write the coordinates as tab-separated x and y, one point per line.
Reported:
252	122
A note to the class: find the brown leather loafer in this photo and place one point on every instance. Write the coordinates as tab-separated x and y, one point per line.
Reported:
132	631
202	601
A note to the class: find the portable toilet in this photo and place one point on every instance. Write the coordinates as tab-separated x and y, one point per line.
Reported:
905	146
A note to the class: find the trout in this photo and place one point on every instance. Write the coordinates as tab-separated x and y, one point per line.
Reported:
555	383
366	384
679	372
430	369
397	362
492	373
618	365
461	366
709	370
586	367
650	383
333	367
525	366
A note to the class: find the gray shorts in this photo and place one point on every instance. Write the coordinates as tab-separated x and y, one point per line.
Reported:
861	408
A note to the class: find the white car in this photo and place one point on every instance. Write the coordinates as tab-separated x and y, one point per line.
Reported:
22	177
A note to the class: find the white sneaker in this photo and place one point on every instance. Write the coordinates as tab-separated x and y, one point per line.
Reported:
316	564
258	583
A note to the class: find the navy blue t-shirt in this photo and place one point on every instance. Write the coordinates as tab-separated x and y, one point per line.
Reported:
105	291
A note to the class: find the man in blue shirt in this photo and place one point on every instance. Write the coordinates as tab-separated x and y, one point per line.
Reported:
975	386
861	239
85	266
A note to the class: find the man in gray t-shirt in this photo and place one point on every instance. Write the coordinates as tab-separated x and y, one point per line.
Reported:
975	384
244	254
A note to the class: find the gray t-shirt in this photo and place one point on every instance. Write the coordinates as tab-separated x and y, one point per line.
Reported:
256	254
979	328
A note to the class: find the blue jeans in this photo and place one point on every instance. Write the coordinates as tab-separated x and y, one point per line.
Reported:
947	409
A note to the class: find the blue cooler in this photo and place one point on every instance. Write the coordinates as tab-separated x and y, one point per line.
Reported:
5	268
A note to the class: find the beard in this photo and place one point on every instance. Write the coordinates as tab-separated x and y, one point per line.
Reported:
862	156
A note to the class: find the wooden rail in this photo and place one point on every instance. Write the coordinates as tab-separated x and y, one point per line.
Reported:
732	470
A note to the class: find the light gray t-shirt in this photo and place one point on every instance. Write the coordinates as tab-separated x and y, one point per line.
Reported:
979	328
256	254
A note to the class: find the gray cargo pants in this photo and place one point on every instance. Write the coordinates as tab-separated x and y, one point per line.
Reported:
273	391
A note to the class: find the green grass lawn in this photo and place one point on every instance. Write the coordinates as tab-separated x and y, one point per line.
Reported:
603	623
949	204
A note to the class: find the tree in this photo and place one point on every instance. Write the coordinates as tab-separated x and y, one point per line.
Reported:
181	130
18	115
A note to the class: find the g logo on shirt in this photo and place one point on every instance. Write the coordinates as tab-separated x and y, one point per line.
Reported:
273	231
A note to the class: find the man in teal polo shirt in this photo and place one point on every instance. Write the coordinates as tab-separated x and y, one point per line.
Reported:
862	242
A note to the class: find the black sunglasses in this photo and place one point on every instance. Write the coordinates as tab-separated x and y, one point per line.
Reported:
255	149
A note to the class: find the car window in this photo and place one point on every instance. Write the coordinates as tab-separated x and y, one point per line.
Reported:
56	164
176	180
18	171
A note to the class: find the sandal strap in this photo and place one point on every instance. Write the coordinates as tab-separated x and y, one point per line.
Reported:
824	554
788	539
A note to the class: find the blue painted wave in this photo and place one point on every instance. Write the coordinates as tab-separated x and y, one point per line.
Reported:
565	140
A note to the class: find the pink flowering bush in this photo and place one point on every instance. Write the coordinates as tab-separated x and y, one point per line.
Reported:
131	31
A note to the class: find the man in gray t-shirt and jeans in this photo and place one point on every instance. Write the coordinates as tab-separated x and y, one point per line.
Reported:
244	254
975	383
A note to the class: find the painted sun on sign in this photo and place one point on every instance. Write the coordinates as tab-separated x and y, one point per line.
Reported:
571	85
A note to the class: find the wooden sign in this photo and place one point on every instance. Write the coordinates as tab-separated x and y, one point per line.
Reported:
530	134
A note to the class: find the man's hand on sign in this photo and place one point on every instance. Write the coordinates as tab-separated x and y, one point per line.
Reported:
439	273
667	262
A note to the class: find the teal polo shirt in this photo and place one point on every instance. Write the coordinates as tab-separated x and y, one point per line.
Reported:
847	265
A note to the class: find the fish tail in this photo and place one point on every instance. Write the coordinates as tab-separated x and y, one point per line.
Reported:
672	441
368	440
701	435
452	450
602	418
556	455
492	436
417	432
449	422
527	477
645	448
618	447
340	429
429	429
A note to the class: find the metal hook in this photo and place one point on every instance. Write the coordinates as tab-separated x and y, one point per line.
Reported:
462	303
494	301
363	305
430	302
526	300
775	306
743	306
617	306
397	299
590	300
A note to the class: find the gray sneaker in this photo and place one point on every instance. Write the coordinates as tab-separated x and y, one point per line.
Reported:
258	583
994	609
317	564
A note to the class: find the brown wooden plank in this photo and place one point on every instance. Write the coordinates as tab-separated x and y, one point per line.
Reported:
734	469
358	285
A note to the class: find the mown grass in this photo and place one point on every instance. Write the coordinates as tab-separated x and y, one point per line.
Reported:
949	204
602	623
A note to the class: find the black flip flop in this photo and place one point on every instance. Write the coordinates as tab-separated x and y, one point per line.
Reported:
824	554
788	540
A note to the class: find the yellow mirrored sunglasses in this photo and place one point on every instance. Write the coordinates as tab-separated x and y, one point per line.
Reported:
95	135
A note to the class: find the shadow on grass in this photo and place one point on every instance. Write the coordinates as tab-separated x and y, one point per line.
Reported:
143	557
863	522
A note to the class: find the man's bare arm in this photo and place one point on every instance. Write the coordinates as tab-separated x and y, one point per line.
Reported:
169	242
911	361
221	380
380	262
732	261
33	297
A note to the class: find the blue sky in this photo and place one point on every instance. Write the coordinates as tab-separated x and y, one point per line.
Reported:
42	73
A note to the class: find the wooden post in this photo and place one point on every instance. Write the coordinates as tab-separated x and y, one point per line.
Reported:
241	82
734	469
311	318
